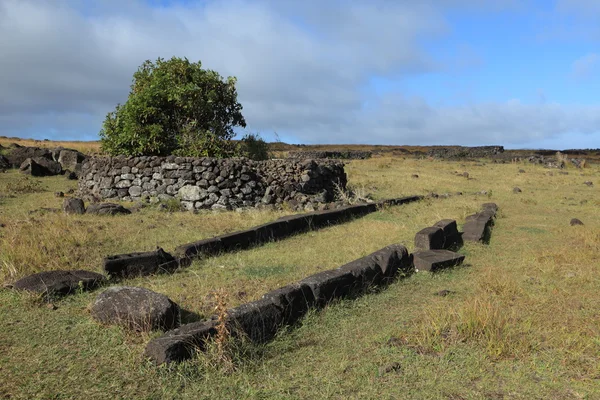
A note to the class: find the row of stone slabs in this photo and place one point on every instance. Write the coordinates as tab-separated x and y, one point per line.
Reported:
259	320
132	265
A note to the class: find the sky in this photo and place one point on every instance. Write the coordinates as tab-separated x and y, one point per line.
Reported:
523	74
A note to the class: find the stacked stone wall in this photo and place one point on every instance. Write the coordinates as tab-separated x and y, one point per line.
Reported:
202	183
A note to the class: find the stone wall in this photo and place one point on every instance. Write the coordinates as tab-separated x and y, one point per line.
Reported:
203	183
341	155
455	152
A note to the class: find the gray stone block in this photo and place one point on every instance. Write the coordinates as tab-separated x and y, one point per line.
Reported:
429	238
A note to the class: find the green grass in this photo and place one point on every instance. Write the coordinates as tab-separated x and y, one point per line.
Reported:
523	321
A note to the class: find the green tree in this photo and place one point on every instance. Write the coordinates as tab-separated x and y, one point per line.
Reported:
175	107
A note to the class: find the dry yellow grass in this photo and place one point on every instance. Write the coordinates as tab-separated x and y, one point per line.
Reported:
523	320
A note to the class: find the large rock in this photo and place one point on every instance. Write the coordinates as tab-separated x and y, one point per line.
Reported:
73	205
135	308
71	160
18	155
40	166
59	281
107	209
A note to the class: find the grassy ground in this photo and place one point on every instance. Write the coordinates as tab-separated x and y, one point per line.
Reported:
523	320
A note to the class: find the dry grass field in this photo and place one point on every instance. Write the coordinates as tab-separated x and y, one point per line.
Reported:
522	320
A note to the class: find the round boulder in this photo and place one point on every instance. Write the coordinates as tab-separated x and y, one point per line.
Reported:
73	206
59	282
135	308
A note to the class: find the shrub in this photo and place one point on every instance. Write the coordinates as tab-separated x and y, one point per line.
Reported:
254	147
174	106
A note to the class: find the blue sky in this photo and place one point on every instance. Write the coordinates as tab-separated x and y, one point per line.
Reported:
469	72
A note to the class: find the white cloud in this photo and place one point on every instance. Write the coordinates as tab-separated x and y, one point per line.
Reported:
302	68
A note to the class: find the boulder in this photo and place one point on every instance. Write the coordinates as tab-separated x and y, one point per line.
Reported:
59	281
135	308
18	155
73	205
434	260
576	221
71	160
4	163
107	209
40	166
430	238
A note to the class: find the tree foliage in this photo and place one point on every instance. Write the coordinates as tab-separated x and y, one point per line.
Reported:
175	107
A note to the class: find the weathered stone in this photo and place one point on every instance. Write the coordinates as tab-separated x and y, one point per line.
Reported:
430	238
135	308
452	238
190	193
59	282
73	206
576	221
132	265
40	166
135	191
180	344
434	260
258	320
328	285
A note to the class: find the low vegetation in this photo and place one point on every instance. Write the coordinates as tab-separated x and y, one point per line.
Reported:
520	319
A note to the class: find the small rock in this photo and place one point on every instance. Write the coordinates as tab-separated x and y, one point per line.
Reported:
521	171
415	175
517	190
444	293
589	183
465	174
51	306
73	205
59	194
576	221
392	367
